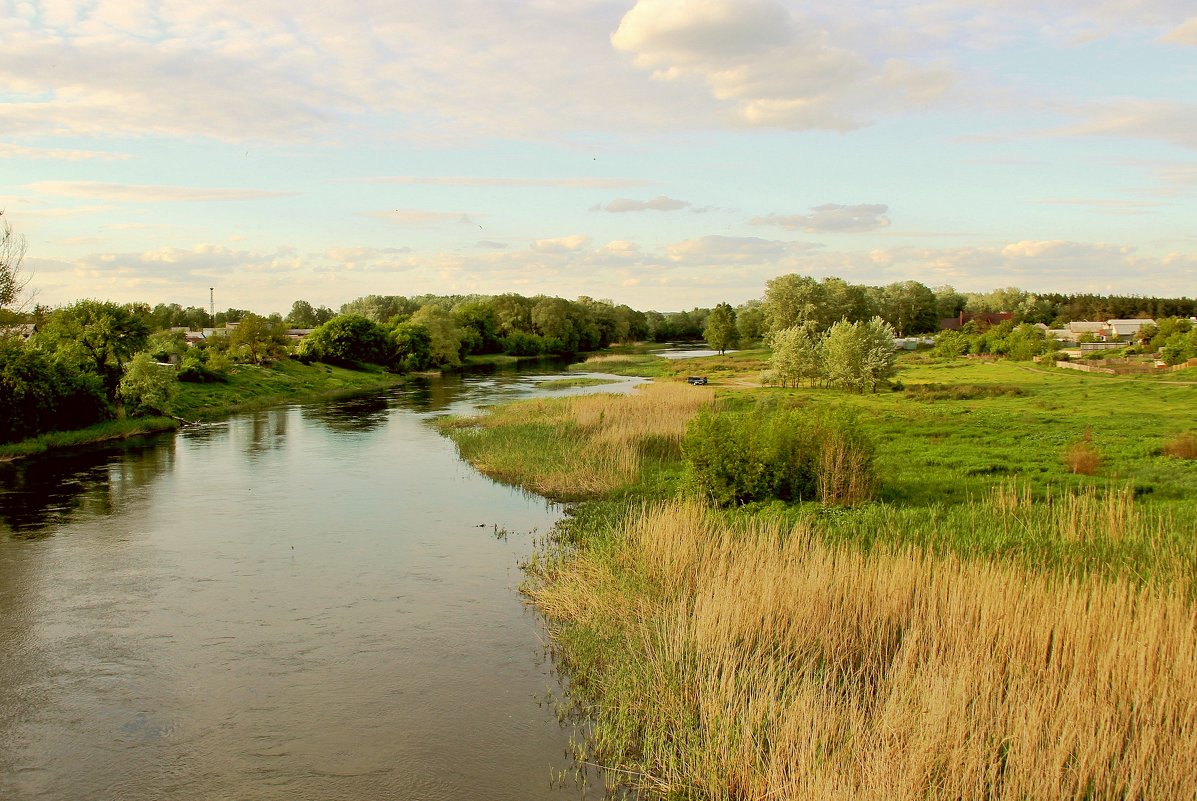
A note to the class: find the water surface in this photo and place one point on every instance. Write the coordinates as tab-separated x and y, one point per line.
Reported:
311	602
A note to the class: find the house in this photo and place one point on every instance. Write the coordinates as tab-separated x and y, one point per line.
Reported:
982	319
22	330
1126	330
1082	327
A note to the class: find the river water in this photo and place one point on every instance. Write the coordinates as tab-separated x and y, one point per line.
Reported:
310	602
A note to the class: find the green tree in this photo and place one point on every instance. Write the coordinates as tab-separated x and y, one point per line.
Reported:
750	321
444	334
39	393
148	387
413	347
258	340
845	301
350	339
302	315
910	307
948	302
797	355
96	336
479	326
792	300
858	356
720	332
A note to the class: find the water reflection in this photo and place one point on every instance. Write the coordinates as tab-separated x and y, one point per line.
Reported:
36	495
349	415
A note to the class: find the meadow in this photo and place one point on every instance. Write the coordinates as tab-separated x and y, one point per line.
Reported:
1011	617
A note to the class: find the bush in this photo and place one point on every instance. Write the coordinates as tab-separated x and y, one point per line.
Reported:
1182	446
147	387
734	458
1082	456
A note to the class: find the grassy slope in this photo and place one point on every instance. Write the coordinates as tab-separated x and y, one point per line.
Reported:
285	381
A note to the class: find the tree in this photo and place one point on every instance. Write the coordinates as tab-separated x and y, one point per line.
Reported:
302	315
948	302
96	336
720	332
148	387
792	300
910	307
444	334
750	321
858	356
878	354
796	355
844	301
413	347
257	339
350	339
12	254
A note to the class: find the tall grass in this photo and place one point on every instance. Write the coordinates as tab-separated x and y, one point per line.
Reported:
752	661
1182	446
581	446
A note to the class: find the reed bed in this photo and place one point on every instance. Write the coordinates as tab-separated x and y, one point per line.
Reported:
756	661
581	446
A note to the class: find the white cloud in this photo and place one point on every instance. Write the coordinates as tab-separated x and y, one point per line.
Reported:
1185	33
659	203
774	66
565	244
96	190
832	218
731	249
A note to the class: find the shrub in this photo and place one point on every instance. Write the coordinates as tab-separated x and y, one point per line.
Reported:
148	387
1082	456
759	455
1182	446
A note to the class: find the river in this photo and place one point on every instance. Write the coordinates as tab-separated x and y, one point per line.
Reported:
311	602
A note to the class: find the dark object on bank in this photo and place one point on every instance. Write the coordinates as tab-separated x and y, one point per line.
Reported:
697	380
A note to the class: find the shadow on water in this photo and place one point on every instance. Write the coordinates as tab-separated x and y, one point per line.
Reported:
36	495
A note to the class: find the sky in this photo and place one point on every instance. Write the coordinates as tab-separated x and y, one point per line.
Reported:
666	154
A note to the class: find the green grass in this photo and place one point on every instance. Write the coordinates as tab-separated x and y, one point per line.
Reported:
101	432
251	387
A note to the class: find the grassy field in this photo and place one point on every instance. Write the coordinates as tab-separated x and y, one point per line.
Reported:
1012	618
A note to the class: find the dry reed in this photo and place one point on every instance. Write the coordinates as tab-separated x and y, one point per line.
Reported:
760	663
1182	446
592	443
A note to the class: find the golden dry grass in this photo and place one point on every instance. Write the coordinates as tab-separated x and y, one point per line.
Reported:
760	663
1182	446
585	445
1082	456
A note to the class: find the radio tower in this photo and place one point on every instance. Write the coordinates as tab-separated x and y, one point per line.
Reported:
212	303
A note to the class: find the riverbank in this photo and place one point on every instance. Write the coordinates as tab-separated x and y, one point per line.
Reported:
248	387
982	630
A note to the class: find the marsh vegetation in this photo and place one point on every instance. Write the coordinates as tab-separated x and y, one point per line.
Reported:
1007	613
